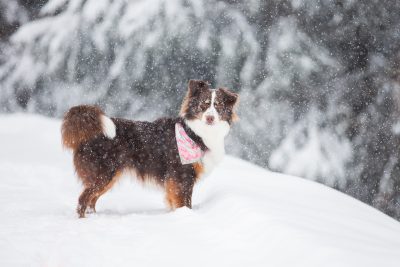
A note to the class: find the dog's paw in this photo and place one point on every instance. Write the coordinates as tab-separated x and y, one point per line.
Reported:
90	210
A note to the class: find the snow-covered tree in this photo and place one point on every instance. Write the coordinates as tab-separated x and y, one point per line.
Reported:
12	15
133	57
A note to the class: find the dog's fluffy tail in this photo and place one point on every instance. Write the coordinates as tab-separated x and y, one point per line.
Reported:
82	123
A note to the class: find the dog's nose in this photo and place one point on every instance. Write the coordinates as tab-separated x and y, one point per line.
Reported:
210	119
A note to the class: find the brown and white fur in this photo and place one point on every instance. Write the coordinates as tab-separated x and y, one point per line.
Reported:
103	147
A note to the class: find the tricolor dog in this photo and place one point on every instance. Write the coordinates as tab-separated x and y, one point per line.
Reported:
172	152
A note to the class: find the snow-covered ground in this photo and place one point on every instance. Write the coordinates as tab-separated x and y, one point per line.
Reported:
243	216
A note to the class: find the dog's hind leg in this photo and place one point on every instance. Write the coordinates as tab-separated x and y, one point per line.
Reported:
84	199
92	204
92	191
100	189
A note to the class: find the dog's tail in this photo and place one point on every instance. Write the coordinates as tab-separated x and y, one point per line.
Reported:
82	123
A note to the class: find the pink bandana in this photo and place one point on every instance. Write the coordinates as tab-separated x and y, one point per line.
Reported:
189	151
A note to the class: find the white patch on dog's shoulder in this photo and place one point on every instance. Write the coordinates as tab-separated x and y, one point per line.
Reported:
109	128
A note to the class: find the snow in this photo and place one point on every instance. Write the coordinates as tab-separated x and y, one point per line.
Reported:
243	215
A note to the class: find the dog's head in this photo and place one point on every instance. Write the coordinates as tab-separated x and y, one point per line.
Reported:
210	107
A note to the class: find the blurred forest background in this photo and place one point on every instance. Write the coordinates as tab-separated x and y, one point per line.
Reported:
319	80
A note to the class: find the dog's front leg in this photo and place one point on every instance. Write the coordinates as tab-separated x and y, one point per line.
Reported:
178	193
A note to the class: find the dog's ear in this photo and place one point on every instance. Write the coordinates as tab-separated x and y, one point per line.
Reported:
230	98
196	86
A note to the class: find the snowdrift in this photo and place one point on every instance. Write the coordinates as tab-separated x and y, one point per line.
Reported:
243	216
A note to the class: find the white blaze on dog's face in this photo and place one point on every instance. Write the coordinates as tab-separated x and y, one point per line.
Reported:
209	112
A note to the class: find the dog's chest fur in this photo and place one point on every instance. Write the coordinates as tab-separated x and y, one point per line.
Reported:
213	138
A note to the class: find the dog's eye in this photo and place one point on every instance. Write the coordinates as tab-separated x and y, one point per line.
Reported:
204	105
218	104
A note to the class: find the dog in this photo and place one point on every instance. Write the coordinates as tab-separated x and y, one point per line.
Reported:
173	153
